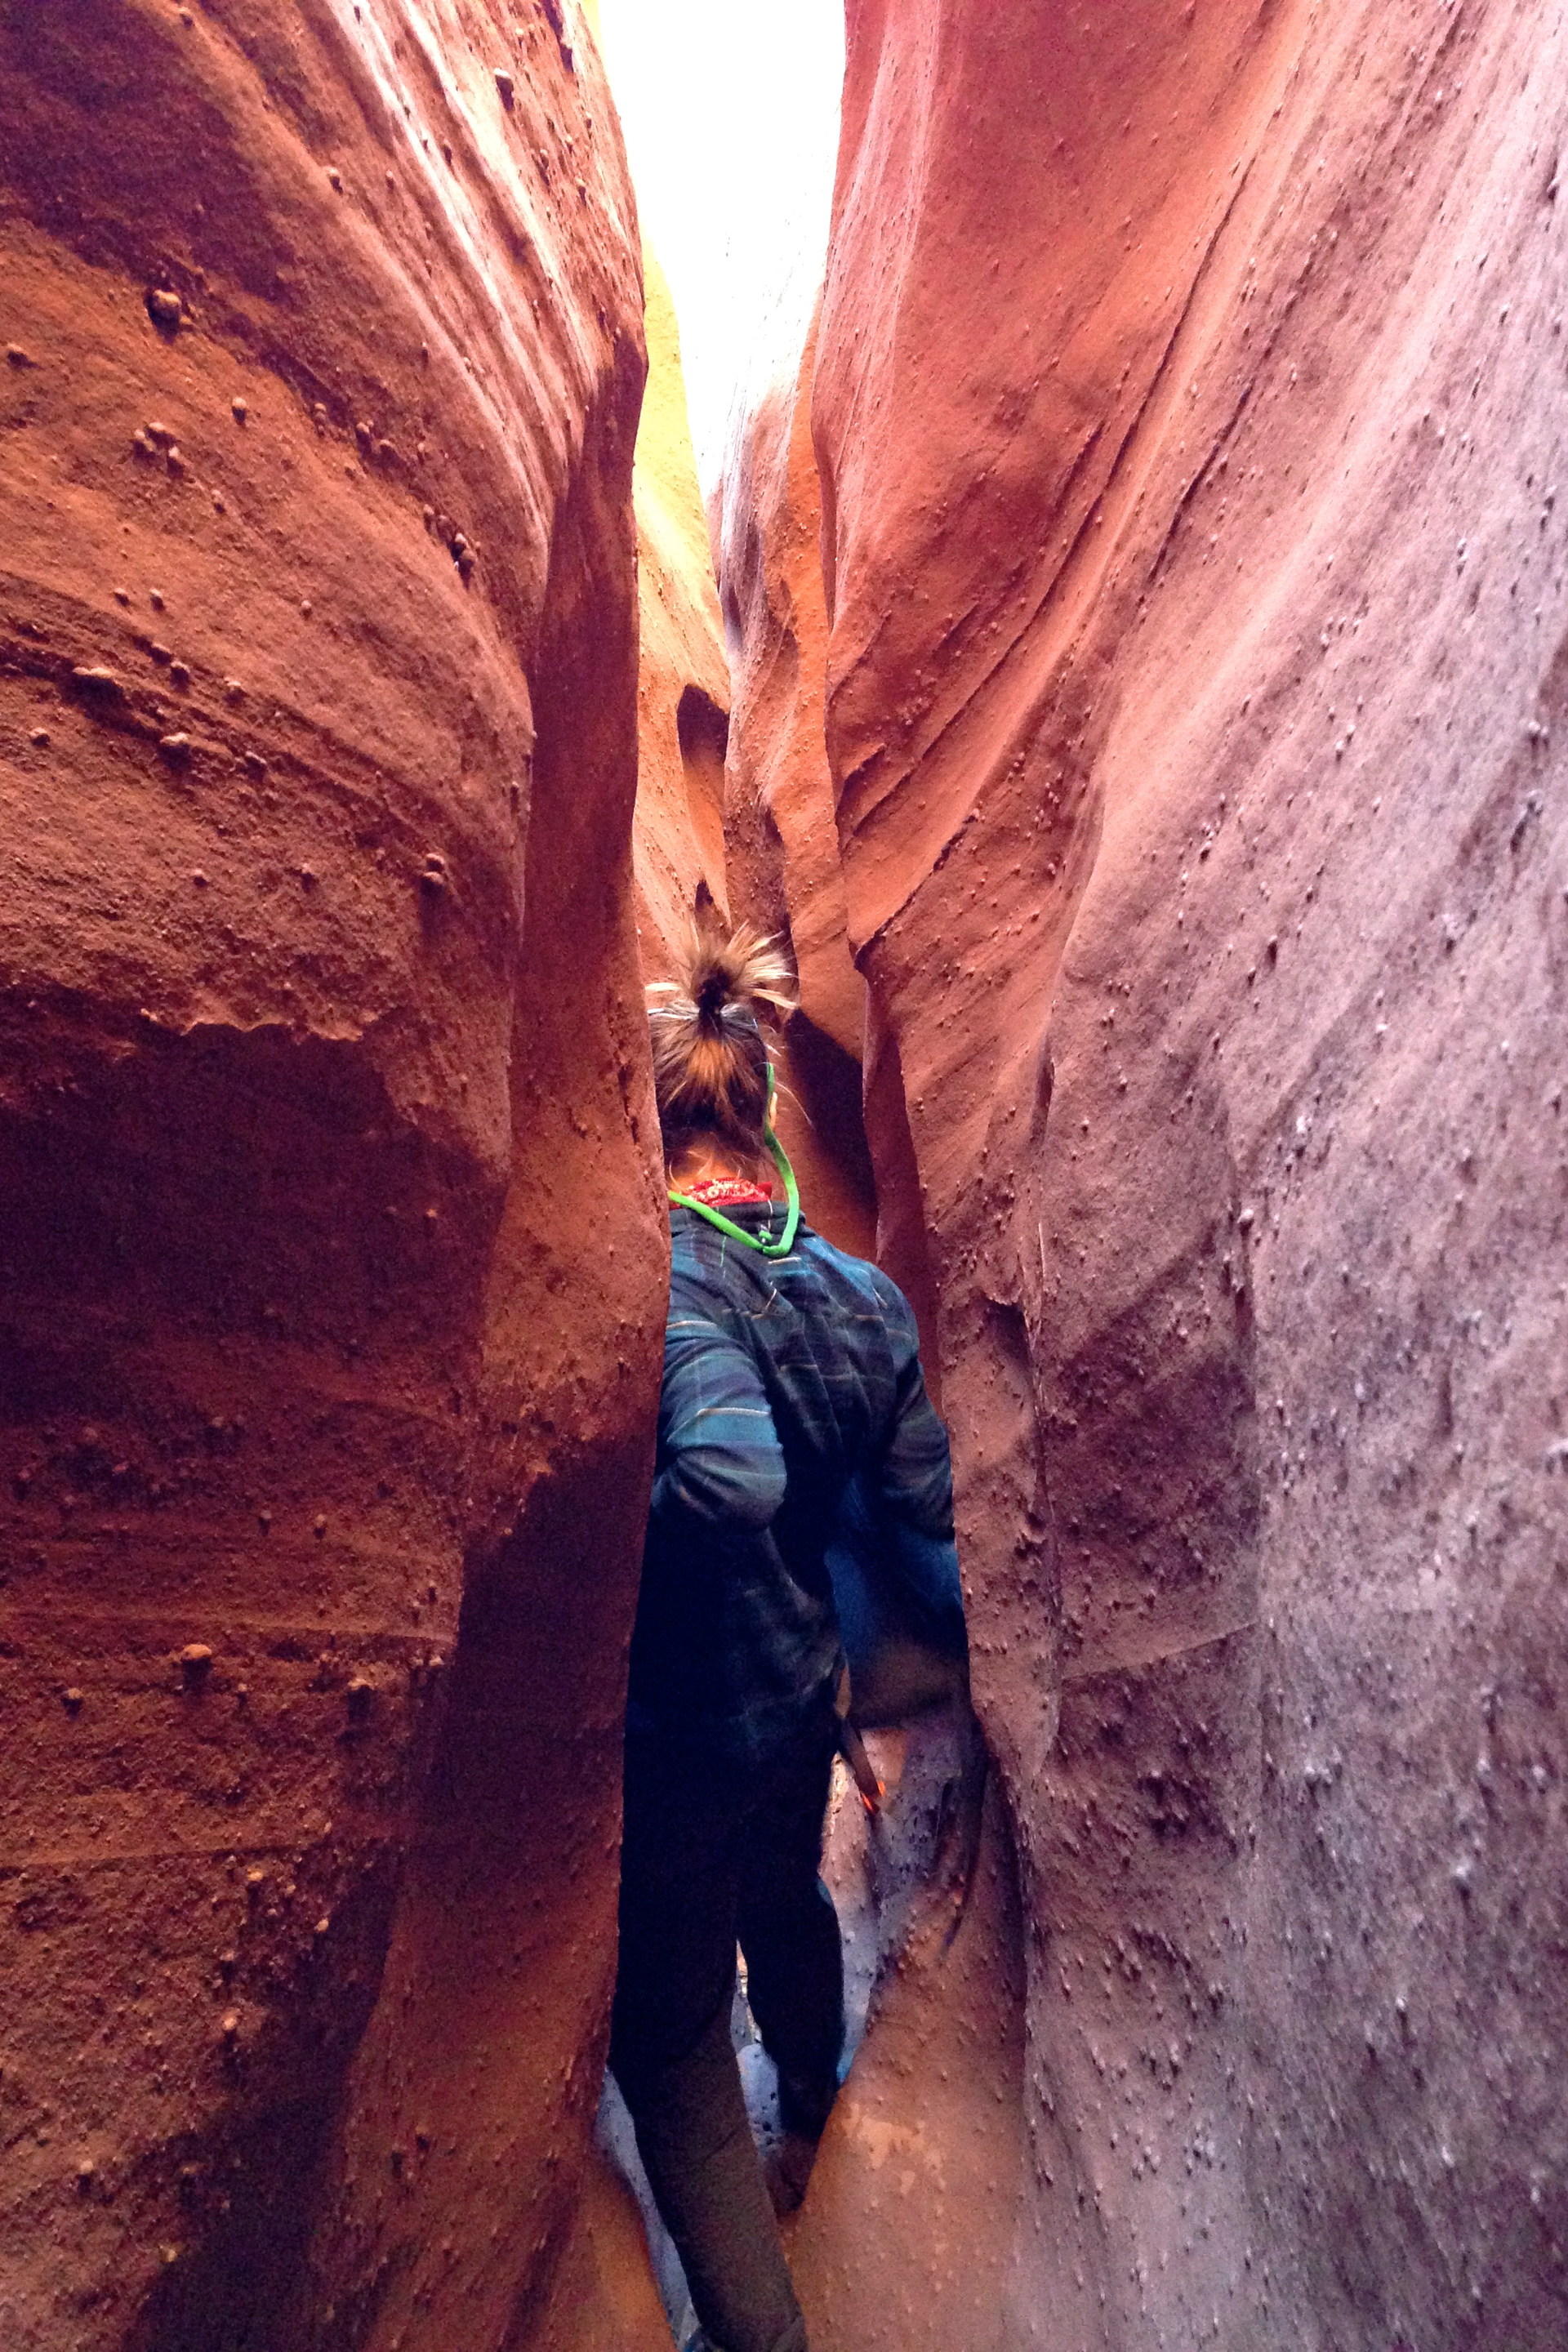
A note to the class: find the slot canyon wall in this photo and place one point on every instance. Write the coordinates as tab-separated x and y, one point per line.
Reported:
328	1382
1189	402
780	828
1152	725
683	679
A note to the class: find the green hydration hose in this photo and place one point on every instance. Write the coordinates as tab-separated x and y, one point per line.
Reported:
785	1243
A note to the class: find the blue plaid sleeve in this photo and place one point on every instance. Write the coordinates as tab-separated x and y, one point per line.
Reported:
720	1461
914	1476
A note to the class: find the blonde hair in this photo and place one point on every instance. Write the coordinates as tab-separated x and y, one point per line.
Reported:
710	1058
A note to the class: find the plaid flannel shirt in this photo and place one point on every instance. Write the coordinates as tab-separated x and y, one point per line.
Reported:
782	1378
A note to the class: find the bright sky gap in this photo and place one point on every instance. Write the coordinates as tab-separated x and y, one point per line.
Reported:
730	109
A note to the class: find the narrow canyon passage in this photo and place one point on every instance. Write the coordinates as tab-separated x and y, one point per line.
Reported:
1122	652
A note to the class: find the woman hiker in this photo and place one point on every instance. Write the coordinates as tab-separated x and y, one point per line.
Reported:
790	1370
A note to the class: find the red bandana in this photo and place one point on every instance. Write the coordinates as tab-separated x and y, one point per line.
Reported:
725	1193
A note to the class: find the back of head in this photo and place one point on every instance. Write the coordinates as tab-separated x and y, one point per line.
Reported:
709	1058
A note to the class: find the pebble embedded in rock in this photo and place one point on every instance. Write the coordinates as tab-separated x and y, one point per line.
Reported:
177	746
240	407
165	310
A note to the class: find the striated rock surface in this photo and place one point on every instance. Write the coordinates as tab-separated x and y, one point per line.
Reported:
1189	399
683	680
327	1381
780	828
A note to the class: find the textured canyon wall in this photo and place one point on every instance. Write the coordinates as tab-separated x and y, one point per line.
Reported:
683	680
1189	403
327	1381
780	830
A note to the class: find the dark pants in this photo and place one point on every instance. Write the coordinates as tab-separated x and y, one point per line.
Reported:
712	1857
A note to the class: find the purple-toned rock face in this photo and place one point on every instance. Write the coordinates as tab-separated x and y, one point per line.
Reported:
1189	399
332	1258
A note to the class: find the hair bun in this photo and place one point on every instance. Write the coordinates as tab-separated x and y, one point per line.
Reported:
739	968
709	1060
710	996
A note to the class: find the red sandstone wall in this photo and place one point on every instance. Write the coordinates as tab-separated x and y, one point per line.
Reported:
683	680
1190	402
779	819
331	1260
